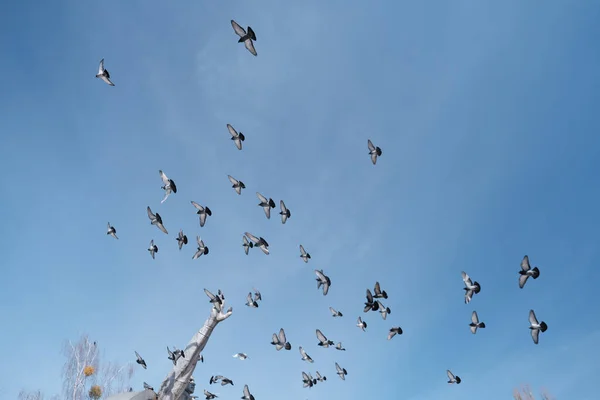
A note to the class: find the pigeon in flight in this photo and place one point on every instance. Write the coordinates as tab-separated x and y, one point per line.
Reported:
181	239
323	341
203	212
475	322
341	371
168	186
453	378
470	288
335	313
266	204
111	231
155	219
247	395
280	341
259	242
305	357
373	151
174	355
224	380
320	378
307	381
361	324
370	304
140	360
396	330
103	73
384	310
378	293
339	347
526	272
241	356
246	38
153	249
213	299
323	280
237	185
285	212
257	295
237	138
247	245
148	387
202	249
209	395
536	327
249	302
303	254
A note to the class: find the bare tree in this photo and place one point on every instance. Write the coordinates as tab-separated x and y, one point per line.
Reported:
525	393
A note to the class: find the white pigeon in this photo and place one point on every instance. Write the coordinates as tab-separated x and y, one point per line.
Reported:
305	357
536	327
111	231
241	356
103	73
361	324
470	288
341	371
169	185
304	255
453	378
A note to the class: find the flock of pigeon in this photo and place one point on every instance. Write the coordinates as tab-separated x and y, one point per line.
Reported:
279	340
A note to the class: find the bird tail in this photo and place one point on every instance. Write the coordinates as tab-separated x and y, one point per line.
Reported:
543	326
536	273
251	33
384	294
251	245
288	346
458	380
271	203
482	325
477	287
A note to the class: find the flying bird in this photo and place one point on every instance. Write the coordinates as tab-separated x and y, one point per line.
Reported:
307	381
237	138
181	239
303	254
247	395
257	295
266	204
527	272
339	347
241	356
111	231
361	324
247	245
453	378
320	378
305	357
323	341
168	186
259	242
475	323
246	38
335	313
237	185
147	387
323	280
213	299
202	249
378	293
396	330
370	304
140	360
153	249
103	73
536	327
209	395
285	212
155	219
341	371
249	302
224	380
174	355
280	341
373	151
383	310
203	212
470	288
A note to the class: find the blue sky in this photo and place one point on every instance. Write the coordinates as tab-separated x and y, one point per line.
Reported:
487	116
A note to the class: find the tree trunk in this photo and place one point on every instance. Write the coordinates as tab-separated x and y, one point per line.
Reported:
178	380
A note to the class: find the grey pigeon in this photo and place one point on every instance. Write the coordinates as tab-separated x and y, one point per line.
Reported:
266	204
203	212
181	239
475	323
241	356
259	242
237	138
396	330
370	304
374	151
305	356
361	324
378	293
168	185
246	38
250	302
527	272
202	248
226	381
471	288
280	341
341	371
153	249
247	245
103	73
323	341
285	212
209	395
339	347
148	387
320	378
172	356
307	382
384	310
237	185
453	378
155	219
257	295
536	327
323	280
140	360
247	395
304	255
213	299
111	231
335	313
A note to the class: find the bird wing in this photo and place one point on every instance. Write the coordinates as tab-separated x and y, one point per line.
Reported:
198	206
138	356
250	46
391	334
369	296
338	368
166	196
232	180
281	336
282	206
209	294
535	335
238	143
466	279
370	144
262	198
321	337
320	275
108	81
333	312
246	392
475	317
374	158
202	219
249	298
232	131
150	214
238	29
267	210
525	264
164	178
252	237
101	67
450	375
302	251
532	319
325	288
523	280
377	288
162	228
